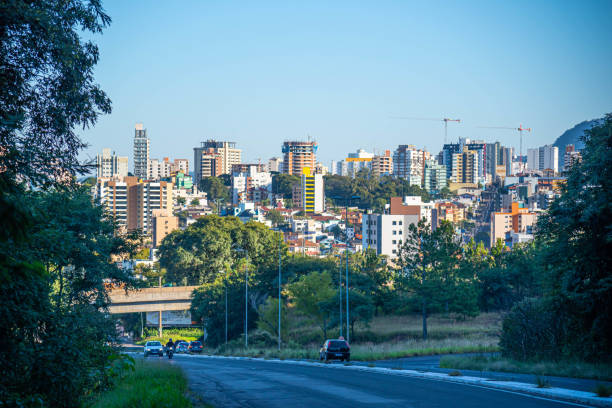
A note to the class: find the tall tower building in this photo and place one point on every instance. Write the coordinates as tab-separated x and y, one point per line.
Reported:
310	194
382	165
141	152
297	155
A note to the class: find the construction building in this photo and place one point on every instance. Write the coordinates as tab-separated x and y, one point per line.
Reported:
382	165
298	155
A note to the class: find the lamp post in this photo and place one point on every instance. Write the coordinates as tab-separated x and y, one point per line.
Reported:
347	199
340	290
246	296
225	284
279	290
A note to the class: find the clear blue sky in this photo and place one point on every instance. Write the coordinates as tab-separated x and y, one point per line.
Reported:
258	73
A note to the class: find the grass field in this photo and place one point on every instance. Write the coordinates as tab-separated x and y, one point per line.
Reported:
391	337
573	369
151	385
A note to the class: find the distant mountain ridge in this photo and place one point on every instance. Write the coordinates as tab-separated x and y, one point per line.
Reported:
573	136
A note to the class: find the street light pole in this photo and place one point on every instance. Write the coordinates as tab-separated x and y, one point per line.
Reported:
246	302
225	281
279	291
348	338
340	292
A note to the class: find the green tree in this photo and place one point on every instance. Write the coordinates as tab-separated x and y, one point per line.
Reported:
195	202
275	217
312	295
283	184
427	263
181	201
215	189
268	318
576	238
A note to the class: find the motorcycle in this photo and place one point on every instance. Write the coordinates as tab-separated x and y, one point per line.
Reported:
170	352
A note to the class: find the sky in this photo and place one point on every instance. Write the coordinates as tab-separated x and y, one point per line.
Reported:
258	73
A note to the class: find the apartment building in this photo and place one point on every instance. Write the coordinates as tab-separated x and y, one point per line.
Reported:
162	225
382	165
465	167
570	157
131	201
141	152
310	194
275	164
414	205
542	158
386	233
251	183
434	177
409	164
298	155
109	165
214	158
159	169
518	219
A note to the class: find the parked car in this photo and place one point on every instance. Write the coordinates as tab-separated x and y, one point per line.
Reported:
335	349
195	347
153	347
183	347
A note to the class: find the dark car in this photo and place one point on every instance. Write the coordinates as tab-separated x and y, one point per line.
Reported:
195	347
335	349
182	347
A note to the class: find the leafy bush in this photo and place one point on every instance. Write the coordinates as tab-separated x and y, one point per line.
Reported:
602	390
530	331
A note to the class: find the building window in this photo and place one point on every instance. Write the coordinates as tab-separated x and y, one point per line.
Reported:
394	232
400	223
394	242
394	222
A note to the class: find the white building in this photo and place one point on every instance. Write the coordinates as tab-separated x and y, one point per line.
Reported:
310	194
251	186
385	232
275	164
110	165
542	158
409	163
141	152
158	169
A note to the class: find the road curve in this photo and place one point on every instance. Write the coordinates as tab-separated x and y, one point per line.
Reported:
252	383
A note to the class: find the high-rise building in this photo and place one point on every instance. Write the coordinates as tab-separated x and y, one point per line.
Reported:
382	165
310	194
465	167
110	165
131	202
180	165
435	176
141	152
275	164
298	155
409	163
542	158
214	158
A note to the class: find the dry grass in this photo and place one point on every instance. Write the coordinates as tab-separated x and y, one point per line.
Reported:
573	369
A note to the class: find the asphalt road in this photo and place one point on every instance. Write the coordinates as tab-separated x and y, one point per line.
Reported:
251	383
432	364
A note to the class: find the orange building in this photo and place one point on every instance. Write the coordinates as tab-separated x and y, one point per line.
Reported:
518	220
298	155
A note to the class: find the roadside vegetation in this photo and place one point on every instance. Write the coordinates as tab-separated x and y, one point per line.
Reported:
150	385
186	334
576	369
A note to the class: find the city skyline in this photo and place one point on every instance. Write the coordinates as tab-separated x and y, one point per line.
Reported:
340	73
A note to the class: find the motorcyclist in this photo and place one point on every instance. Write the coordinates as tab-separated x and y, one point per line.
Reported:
170	345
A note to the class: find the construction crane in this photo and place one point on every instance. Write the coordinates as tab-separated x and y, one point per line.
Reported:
521	129
445	120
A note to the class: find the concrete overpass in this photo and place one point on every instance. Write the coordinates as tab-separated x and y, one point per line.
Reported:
151	300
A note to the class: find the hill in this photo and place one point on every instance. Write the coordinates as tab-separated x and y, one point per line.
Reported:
573	136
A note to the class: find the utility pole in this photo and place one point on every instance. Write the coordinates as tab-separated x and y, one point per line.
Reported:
246	302
279	291
348	332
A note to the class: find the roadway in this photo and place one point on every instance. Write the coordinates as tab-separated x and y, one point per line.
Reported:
253	383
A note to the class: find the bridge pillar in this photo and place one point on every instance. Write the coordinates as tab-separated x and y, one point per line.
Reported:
160	324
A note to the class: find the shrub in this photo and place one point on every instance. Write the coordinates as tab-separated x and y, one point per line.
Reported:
530	331
603	390
542	382
455	373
